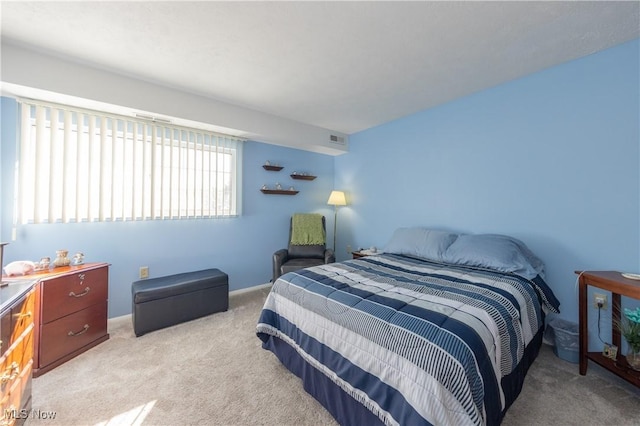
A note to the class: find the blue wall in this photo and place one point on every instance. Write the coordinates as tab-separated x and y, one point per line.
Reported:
242	247
552	159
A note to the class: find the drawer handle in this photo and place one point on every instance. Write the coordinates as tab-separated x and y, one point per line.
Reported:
77	333
81	276
21	315
11	372
86	290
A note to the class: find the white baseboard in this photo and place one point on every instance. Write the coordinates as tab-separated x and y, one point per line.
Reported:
231	293
248	289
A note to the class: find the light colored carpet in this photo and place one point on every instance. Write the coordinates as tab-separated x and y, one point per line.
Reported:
213	371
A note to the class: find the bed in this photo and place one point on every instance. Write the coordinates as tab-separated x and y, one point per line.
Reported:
439	329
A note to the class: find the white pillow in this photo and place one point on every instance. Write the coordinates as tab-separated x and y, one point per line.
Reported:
420	242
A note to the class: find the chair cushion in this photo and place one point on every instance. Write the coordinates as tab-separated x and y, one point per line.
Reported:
312	251
296	264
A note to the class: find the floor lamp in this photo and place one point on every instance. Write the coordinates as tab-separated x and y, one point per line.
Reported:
336	199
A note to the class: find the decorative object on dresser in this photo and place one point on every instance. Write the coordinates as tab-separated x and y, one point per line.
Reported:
16	351
71	313
61	258
78	259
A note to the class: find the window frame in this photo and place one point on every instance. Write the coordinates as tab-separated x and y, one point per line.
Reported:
152	144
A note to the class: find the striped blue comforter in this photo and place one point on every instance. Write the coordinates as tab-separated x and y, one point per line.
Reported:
415	342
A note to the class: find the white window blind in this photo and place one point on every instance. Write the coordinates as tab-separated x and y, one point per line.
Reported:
78	165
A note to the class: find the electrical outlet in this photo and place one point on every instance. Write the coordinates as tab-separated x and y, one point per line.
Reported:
600	299
349	249
144	272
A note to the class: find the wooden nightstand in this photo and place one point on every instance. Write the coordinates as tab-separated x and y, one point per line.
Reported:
364	252
357	254
618	286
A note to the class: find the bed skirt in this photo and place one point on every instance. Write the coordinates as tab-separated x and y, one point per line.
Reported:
347	411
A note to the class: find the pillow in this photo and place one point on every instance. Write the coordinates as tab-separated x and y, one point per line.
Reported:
497	252
420	242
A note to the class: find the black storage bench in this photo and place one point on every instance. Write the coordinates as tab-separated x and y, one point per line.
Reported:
165	301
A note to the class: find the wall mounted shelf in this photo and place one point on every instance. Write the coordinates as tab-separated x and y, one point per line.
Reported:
272	168
278	191
303	177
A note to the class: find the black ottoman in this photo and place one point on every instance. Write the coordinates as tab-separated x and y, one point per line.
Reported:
165	301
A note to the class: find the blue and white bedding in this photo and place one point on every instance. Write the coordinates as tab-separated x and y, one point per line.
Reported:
412	341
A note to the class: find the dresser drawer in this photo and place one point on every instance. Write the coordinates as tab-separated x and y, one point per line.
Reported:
19	393
22	315
16	320
5	332
16	361
70	333
70	293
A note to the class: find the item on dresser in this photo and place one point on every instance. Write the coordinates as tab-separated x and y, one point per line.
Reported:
44	263
78	259
20	267
61	258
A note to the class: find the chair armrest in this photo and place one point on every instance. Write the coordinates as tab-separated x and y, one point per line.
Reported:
329	256
279	258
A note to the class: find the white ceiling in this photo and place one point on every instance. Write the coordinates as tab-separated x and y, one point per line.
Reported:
344	66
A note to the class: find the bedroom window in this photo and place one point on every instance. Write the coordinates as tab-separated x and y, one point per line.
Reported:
79	165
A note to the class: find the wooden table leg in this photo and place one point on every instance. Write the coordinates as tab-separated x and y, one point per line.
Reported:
584	330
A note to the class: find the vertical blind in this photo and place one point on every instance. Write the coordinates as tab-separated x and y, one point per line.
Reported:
78	165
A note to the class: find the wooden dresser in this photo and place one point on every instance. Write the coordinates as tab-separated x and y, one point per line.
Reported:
16	359
71	313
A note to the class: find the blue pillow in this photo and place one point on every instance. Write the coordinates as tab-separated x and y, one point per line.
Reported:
497	252
420	242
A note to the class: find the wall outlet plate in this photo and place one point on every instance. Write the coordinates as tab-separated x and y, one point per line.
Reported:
144	272
599	298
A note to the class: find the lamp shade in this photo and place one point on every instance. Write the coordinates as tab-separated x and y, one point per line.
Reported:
337	198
